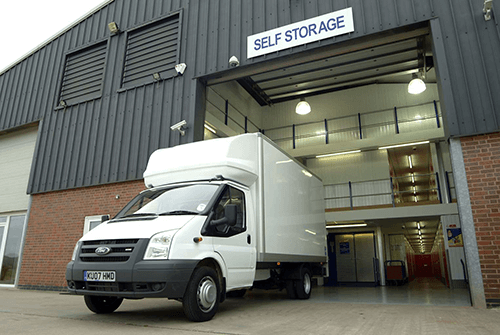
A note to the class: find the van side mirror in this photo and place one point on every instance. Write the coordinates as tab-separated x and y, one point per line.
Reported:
104	218
230	213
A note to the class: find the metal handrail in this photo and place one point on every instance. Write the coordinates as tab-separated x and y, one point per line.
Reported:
393	193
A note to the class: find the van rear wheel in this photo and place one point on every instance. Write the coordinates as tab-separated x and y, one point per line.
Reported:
102	305
202	296
304	285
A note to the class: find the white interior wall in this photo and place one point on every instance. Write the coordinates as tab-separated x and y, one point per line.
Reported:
241	104
16	155
362	166
347	102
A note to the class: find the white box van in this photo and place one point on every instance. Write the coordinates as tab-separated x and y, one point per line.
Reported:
218	217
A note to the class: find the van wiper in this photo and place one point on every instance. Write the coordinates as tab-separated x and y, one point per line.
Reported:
138	215
180	212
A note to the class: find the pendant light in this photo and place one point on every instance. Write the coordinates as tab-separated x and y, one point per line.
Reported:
303	107
416	85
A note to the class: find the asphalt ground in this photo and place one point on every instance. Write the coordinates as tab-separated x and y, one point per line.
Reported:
259	312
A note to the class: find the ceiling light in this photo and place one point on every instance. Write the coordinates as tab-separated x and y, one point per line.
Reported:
409	160
207	127
419	232
303	107
348	225
413	178
418	225
416	85
339	153
307	173
403	145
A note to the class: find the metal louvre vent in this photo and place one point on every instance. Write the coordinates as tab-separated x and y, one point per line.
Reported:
151	49
83	74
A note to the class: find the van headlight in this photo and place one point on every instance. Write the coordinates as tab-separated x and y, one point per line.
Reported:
75	251
159	245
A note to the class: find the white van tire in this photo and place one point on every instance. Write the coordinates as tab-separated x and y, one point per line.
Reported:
102	305
303	286
202	296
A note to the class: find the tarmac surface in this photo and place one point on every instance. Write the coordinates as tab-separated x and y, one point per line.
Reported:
259	312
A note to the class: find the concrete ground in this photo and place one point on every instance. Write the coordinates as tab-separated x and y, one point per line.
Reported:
259	312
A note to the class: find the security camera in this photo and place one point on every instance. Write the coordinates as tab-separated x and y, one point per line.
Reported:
488	7
233	61
180	127
180	68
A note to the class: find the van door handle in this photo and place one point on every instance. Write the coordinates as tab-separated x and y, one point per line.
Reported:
249	239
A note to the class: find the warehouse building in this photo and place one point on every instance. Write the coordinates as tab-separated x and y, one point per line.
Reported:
411	178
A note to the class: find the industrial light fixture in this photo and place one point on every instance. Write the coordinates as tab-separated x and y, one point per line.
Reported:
113	27
409	161
307	173
413	179
156	76
303	107
338	153
419	232
487	8
355	225
209	128
418	225
402	145
416	85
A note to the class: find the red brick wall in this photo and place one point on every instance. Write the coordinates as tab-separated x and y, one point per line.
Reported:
482	165
55	224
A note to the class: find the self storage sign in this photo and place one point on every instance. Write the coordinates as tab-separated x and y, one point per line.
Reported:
315	29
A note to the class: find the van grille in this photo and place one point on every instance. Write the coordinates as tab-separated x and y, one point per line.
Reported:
105	259
120	250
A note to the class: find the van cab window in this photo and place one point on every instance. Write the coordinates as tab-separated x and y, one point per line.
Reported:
231	196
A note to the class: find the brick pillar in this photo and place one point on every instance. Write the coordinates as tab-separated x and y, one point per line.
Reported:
56	223
482	165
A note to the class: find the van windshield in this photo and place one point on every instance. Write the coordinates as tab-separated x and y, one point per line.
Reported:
185	200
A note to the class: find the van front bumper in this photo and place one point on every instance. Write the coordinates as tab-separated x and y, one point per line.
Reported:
155	279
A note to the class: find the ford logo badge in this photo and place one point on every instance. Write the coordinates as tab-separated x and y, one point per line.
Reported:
103	251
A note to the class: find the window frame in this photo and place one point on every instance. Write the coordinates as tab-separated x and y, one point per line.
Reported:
208	230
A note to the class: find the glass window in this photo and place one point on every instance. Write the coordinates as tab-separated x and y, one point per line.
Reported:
11	247
191	199
236	197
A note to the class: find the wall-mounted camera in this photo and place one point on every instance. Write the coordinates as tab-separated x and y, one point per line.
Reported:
180	127
233	61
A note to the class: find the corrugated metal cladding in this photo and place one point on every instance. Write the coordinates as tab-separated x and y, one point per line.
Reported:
109	138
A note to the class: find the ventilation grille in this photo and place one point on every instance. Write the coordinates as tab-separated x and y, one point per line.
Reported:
83	74
151	49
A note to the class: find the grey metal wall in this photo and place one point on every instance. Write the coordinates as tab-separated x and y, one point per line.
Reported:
110	138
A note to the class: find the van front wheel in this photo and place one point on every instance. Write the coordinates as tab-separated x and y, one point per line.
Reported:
202	296
102	305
